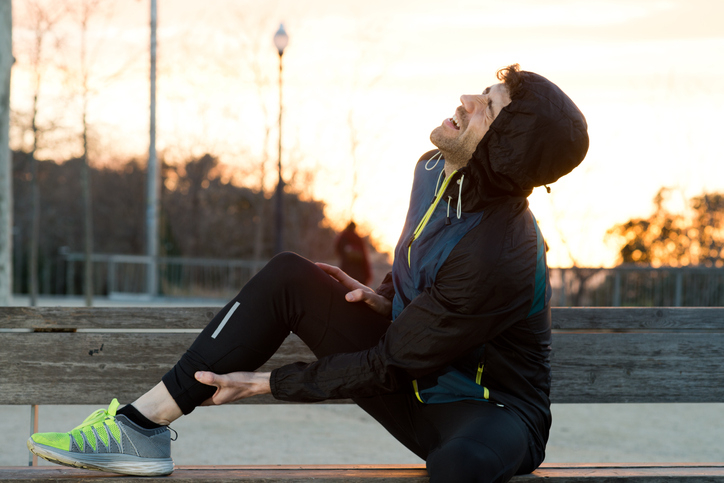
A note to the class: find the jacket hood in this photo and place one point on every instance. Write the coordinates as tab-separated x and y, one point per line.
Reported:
537	138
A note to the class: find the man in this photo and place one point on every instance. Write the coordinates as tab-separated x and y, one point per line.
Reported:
450	354
352	254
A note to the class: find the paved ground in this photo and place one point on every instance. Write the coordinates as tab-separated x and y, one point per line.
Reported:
322	434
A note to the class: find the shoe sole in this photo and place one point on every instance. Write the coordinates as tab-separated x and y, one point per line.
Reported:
112	462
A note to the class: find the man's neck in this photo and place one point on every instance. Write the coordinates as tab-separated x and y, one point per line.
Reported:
453	163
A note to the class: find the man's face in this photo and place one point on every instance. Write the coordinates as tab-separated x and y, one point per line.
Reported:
459	135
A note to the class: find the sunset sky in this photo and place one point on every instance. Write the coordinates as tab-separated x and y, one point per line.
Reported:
647	74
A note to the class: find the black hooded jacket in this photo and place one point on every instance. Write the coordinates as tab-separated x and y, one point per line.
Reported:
470	291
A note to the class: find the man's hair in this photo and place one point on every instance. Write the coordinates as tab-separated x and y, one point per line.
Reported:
512	77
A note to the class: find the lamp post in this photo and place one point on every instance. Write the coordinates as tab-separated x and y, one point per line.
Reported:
281	39
154	179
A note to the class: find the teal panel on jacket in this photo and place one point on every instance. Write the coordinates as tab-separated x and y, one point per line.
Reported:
430	250
539	298
452	386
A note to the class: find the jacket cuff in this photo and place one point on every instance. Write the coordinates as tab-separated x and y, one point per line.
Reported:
273	384
387	287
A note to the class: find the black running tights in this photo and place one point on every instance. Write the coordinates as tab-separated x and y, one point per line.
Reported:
466	441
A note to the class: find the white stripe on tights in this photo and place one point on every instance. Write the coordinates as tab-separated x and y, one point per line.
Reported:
226	319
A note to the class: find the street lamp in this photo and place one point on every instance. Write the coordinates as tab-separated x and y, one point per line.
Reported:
281	39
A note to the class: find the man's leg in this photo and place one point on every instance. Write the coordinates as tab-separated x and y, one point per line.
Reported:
156	405
475	441
397	413
291	294
464	441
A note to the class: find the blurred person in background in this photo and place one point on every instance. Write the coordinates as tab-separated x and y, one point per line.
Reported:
352	253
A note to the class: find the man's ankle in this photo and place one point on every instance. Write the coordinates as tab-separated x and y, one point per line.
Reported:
130	411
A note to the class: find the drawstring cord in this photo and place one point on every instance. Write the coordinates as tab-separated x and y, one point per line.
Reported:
447	220
437	185
438	155
428	214
460	197
460	202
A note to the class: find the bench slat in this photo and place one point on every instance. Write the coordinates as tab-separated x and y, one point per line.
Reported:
637	367
56	368
221	474
578	318
106	317
638	318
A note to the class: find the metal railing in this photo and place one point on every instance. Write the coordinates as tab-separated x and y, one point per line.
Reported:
127	275
635	286
631	286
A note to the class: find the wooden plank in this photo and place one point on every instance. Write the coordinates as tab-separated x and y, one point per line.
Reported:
642	472
106	317
93	368
578	318
637	367
605	473
221	474
54	368
654	473
638	318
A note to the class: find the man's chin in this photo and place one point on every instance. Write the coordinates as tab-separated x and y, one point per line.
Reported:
444	145
437	137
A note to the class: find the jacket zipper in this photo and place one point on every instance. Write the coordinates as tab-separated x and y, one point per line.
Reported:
423	223
479	377
417	391
479	380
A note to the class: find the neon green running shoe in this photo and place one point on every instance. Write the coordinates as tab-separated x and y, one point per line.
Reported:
107	442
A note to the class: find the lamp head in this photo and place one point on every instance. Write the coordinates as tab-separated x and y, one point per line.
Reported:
281	39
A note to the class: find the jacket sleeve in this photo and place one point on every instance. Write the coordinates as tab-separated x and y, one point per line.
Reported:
387	287
473	299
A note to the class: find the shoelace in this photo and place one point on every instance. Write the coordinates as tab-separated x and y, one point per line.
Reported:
100	415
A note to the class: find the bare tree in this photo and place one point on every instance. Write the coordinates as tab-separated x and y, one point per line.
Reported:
82	12
354	153
86	8
41	18
247	59
6	192
255	45
84	81
360	84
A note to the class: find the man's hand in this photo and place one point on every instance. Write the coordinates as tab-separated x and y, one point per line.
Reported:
358	292
234	386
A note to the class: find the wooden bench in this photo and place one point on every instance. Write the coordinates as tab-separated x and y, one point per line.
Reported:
613	355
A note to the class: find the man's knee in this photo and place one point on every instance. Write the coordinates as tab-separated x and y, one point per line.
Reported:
462	460
286	259
287	268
